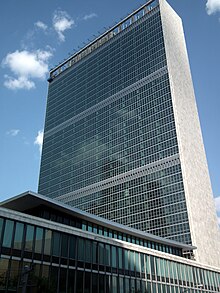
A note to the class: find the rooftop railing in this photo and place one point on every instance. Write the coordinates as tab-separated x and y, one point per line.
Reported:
102	39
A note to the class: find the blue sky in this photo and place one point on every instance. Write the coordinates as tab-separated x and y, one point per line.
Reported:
37	35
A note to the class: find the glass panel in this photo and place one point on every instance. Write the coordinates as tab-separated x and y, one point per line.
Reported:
142	263
121	285
101	283
7	238
56	244
126	260
39	240
29	238
62	281
114	284
107	255
131	259
133	286
72	247
45	272
84	226
143	287
71	281
88	257
114	258
80	249
54	279
137	262
90	227
120	264
14	274
47	243
95	229
94	282
3	272
152	265
1	227
108	283
87	282
138	285
94	252
147	261
19	231
64	245
100	230
101	254
127	285
79	282
149	287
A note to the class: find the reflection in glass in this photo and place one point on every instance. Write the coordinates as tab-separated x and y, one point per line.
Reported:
19	230
29	238
38	240
47	243
3	272
9	225
14	274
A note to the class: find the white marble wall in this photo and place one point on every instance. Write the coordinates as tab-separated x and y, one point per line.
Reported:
200	204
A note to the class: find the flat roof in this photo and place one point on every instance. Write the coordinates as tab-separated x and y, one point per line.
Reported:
29	200
100	40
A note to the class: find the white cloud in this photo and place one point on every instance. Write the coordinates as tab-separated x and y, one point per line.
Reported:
89	16
13	132
26	65
41	25
212	6
217	203
18	83
62	22
39	139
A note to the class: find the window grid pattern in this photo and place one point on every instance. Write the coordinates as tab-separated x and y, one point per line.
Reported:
67	263
132	131
72	221
154	203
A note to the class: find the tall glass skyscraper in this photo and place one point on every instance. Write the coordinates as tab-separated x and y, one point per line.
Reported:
122	137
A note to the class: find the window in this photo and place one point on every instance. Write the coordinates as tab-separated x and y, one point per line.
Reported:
38	240
72	247
1	227
80	249
64	245
19	230
56	244
29	238
47	243
7	239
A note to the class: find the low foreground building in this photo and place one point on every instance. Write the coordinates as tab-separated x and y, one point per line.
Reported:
48	246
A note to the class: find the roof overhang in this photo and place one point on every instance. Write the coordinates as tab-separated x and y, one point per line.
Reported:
29	200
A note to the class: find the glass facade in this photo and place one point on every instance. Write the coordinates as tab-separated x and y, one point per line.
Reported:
99	229
110	144
64	262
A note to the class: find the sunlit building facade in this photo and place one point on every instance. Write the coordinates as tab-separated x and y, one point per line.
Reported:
122	138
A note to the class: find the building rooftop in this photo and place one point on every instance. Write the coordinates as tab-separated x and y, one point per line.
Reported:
103	38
